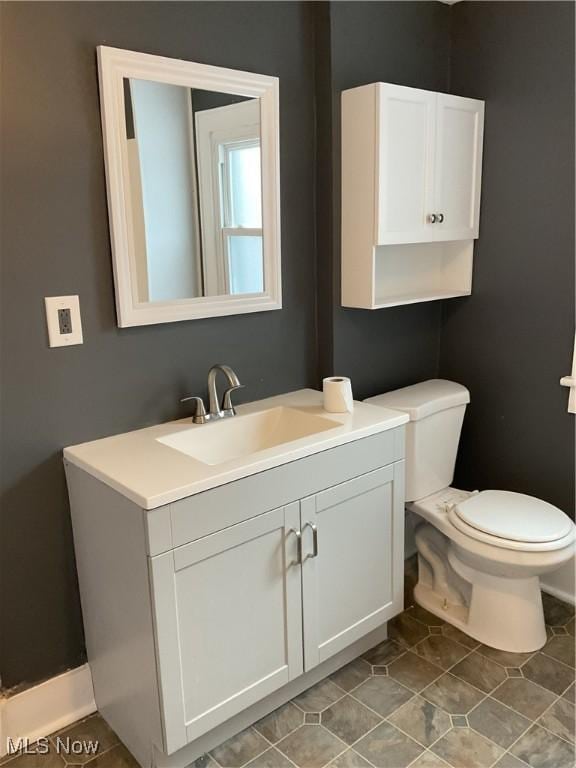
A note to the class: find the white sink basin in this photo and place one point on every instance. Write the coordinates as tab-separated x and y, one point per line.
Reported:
241	436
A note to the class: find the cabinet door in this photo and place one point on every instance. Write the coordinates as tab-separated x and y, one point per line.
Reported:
228	616
458	166
353	580
404	183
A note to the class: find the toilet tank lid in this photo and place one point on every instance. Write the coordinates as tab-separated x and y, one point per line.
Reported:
424	399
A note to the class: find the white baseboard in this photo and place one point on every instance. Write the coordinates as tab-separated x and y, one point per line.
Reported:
45	708
561	594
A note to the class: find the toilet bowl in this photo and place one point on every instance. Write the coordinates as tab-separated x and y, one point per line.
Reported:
480	553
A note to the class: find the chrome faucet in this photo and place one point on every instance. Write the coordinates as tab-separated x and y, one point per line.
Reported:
233	382
201	417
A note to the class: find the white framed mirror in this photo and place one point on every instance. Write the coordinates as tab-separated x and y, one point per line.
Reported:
193	184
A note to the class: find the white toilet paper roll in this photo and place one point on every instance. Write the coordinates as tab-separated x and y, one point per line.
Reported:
338	394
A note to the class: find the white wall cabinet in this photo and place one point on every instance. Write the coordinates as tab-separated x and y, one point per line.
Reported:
201	609
411	178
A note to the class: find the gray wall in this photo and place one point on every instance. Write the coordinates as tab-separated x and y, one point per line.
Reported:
509	342
408	44
55	241
512	340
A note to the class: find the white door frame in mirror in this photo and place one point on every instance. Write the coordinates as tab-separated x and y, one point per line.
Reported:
114	65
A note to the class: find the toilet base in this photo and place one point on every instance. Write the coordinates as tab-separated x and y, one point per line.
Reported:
499	612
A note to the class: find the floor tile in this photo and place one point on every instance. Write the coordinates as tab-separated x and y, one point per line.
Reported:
380	671
464	748
406	630
556	613
541	749
311	746
560	719
425	617
523	696
509	761
204	761
312	718
570	627
497	722
351	675
429	760
413	671
350	759
421	720
505	658
382	694
453	695
548	673
455	634
49	760
459	721
561	648
270	759
513	672
93	729
320	696
480	672
240	749
559	630
441	651
387	747
280	723
384	653
349	720
570	693
117	757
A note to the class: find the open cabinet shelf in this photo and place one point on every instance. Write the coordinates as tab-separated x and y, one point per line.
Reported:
407	274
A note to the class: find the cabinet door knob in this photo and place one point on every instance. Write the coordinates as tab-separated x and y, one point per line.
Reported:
440	218
314	538
432	218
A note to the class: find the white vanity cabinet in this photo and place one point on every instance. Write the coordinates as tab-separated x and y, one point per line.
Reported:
411	178
204	614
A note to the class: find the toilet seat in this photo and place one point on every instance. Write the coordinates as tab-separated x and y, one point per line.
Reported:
512	521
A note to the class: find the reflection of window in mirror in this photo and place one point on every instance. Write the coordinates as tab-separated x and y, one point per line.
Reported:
229	173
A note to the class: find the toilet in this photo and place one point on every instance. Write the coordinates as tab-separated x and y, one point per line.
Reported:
480	553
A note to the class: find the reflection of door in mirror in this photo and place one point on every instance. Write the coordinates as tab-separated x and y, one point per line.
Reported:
163	191
229	174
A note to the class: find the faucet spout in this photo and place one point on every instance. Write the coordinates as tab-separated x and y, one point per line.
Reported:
233	383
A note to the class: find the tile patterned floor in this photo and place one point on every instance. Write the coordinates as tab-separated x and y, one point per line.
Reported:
428	697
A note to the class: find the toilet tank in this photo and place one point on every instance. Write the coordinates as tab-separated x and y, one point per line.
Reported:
436	410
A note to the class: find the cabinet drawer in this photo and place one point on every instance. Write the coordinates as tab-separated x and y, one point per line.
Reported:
211	511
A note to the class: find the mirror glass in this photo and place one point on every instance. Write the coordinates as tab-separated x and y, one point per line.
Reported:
194	191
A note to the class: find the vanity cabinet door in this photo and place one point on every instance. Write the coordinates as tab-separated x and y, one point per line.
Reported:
406	120
353	577
228	621
458	166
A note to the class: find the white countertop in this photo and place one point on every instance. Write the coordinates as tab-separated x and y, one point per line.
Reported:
153	474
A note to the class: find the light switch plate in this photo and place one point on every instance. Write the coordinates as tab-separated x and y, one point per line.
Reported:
63	320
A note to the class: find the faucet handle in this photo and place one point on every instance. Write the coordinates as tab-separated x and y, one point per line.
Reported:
227	407
200	417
